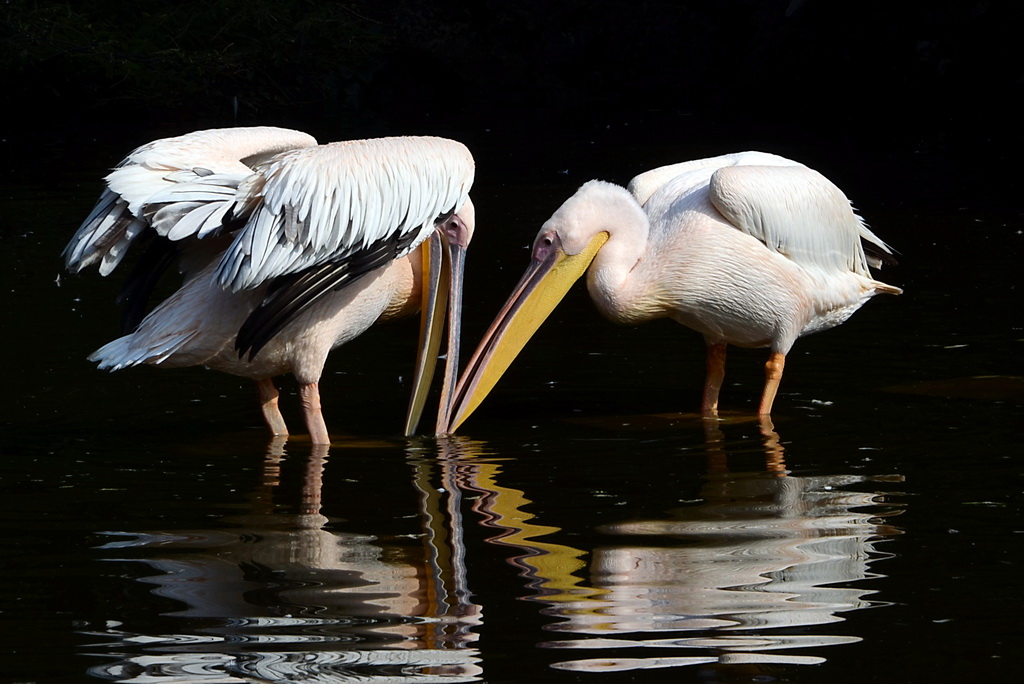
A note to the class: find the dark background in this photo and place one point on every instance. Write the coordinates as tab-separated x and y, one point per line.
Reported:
917	100
912	108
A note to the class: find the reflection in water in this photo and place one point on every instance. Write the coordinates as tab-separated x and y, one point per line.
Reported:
743	574
764	556
548	568
282	598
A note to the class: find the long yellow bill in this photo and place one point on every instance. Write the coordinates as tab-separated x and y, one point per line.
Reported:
456	261
550	275
434	292
444	259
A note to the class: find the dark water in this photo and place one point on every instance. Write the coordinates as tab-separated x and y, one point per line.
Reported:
584	528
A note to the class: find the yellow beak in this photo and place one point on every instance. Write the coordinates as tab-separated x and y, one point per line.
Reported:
444	262
550	275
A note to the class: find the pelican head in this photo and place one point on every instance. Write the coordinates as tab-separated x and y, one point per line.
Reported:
600	218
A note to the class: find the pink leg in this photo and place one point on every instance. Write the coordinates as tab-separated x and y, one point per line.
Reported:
772	374
310	396
271	410
714	378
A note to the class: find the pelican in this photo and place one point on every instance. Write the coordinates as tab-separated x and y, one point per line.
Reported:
287	249
749	249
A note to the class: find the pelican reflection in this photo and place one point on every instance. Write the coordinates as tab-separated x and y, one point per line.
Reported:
737	578
756	572
285	596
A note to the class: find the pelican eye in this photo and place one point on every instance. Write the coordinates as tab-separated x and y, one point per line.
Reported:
545	245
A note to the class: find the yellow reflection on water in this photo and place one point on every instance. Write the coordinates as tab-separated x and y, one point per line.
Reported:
549	567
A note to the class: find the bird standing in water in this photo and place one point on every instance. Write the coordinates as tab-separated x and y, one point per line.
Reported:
749	249
287	249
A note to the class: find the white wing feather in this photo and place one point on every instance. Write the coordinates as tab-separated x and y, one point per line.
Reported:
326	203
699	171
204	166
793	210
126	351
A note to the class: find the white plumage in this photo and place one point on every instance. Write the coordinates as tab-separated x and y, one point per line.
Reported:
288	248
749	249
334	200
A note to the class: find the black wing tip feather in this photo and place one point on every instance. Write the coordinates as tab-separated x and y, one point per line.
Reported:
881	256
291	295
288	298
138	287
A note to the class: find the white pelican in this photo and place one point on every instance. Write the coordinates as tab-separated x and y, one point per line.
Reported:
750	249
288	249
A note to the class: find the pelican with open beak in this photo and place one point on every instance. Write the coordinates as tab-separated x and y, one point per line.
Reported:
287	249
